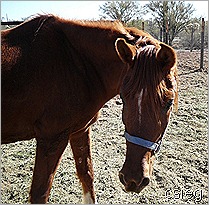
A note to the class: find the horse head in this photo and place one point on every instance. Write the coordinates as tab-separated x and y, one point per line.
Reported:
149	91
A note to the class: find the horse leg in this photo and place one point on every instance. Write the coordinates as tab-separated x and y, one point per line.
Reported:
48	155
80	144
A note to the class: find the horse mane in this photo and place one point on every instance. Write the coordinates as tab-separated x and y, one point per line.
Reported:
114	26
49	23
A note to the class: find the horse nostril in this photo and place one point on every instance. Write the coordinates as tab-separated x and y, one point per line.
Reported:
121	177
145	181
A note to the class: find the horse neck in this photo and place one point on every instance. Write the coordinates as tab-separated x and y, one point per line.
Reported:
97	46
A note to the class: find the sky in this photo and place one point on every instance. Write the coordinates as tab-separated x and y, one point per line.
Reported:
16	10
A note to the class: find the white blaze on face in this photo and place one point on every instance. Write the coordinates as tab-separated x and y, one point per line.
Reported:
87	198
139	96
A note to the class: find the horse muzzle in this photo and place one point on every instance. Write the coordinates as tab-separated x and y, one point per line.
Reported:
132	185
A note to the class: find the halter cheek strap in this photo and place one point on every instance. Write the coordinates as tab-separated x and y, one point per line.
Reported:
154	146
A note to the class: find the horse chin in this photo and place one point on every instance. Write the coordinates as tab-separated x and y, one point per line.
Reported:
133	188
139	189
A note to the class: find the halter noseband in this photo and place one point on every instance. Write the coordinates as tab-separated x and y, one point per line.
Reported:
154	146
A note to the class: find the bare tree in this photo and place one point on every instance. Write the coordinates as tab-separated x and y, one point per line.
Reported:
124	11
191	29
171	16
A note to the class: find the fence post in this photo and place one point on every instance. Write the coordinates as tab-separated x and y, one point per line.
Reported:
9	23
166	33
161	34
202	44
142	25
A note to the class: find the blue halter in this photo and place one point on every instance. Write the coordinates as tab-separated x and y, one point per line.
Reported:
154	146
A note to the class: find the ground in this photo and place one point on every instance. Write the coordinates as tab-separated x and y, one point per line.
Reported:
181	167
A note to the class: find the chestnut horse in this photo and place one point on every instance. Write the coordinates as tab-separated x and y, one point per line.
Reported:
57	74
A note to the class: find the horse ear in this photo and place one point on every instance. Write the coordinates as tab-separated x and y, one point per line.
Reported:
167	56
125	51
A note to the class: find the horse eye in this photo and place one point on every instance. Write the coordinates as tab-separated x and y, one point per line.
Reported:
169	103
